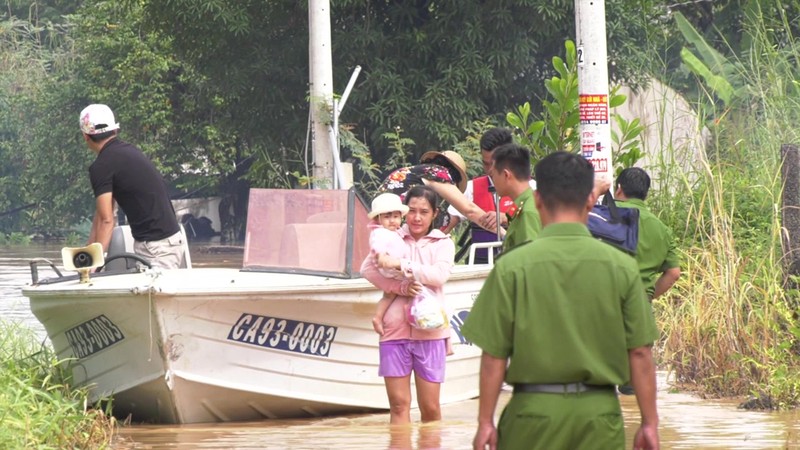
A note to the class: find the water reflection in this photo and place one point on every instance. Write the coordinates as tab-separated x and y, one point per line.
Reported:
687	422
14	274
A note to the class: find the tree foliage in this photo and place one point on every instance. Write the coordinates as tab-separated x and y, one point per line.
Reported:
430	67
216	91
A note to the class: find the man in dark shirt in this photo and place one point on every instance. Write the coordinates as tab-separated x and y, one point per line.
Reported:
122	173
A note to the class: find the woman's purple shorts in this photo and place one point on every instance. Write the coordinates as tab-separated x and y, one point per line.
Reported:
426	358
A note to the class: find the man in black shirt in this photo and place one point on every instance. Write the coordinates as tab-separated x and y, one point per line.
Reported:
122	173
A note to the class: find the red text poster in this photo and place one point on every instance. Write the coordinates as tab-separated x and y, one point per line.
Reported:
599	164
593	109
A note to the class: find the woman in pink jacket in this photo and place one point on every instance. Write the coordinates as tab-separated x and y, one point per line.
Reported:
404	349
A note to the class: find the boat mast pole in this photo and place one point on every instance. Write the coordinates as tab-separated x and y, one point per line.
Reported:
321	94
595	129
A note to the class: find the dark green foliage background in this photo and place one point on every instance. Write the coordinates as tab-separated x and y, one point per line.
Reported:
216	91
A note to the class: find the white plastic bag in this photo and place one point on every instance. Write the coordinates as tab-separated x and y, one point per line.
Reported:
425	313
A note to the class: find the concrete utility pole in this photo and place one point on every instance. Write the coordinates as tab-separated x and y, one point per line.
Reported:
321	90
595	129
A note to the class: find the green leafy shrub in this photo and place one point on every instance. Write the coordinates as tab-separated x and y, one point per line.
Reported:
557	128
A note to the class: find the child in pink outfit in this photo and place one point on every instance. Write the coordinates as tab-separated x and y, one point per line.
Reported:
385	241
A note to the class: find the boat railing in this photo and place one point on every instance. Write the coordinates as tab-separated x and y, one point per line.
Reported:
486	245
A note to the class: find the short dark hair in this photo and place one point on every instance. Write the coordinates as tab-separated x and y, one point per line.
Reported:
101	136
635	182
515	158
564	179
495	137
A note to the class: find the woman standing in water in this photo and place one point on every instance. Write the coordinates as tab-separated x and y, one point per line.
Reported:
403	349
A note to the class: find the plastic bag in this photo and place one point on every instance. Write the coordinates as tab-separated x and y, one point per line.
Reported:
425	313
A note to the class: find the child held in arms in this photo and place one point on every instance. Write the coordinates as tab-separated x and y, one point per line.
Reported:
385	242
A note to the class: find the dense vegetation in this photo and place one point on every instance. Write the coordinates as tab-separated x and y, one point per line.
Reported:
215	92
39	409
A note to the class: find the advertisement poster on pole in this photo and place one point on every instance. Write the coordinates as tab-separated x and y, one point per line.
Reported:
593	109
593	112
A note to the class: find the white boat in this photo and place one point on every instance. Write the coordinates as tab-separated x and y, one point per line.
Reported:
288	335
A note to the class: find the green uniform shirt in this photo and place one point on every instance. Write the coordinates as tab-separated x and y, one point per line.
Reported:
655	251
524	224
564	308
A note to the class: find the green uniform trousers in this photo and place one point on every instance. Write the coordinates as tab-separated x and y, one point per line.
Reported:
581	421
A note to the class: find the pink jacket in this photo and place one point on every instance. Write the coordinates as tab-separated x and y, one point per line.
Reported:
386	241
430	262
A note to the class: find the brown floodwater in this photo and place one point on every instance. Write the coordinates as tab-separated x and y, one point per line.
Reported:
687	422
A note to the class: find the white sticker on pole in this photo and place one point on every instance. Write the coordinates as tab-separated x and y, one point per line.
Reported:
593	148
593	109
588	143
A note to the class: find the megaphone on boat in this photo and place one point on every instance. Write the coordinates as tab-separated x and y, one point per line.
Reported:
83	259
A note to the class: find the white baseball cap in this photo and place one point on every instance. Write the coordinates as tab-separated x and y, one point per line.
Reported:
96	119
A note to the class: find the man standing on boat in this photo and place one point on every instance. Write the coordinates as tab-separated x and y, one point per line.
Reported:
563	319
122	173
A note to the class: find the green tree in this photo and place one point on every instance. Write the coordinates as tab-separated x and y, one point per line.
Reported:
430	67
28	46
163	106
216	92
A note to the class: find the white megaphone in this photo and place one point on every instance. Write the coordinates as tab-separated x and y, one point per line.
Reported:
83	259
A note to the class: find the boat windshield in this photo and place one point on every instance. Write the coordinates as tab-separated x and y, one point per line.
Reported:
306	231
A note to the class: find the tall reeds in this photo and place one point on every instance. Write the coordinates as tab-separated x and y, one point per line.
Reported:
728	327
38	407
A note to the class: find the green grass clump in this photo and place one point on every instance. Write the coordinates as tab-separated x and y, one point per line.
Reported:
38	407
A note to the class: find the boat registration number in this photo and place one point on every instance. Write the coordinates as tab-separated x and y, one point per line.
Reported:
283	334
92	336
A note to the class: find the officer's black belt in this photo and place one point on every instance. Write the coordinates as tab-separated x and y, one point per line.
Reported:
568	388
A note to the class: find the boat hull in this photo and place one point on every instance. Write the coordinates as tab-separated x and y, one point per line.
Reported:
218	345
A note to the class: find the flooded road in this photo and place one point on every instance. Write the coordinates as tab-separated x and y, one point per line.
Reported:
687	422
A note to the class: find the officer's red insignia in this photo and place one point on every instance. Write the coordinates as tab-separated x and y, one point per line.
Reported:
513	211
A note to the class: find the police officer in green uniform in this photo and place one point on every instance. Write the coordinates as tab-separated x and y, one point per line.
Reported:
656	253
511	174
563	319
